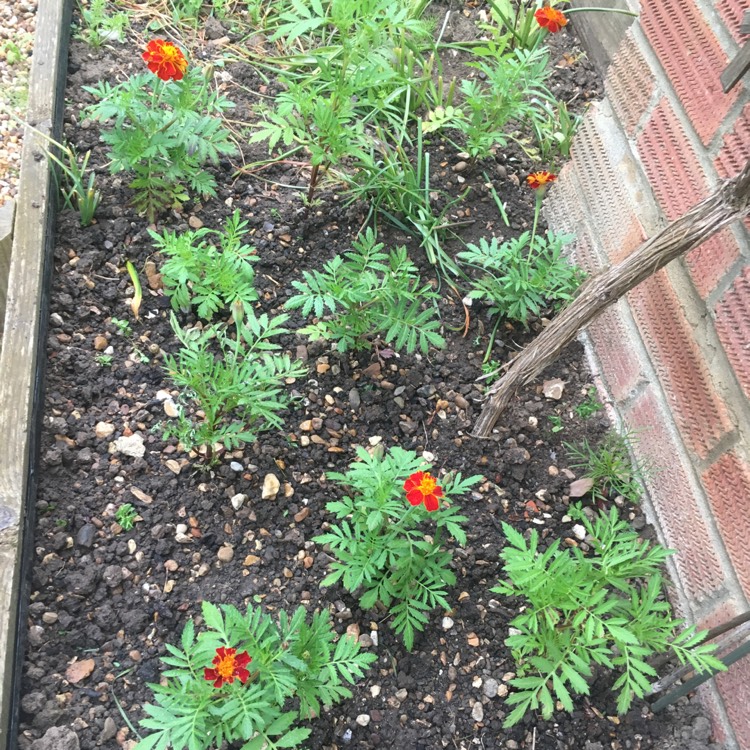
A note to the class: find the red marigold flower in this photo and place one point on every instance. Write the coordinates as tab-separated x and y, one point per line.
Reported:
165	59
228	665
422	487
537	180
551	19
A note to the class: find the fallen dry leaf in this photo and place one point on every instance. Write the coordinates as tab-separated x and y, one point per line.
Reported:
79	670
580	487
141	495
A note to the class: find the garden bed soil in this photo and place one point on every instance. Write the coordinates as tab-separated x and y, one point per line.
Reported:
108	599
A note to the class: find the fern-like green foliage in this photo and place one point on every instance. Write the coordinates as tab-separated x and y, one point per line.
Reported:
298	657
237	384
202	275
522	276
606	609
367	293
165	133
380	545
513	92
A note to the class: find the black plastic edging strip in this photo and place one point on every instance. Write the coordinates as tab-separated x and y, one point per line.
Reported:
53	21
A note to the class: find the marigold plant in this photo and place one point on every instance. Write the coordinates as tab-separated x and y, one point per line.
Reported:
165	59
551	19
581	612
422	487
165	128
382	548
299	659
228	665
540	179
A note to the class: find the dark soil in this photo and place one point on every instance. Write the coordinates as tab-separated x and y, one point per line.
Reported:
117	596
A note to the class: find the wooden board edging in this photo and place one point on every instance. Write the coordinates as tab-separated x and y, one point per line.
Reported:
22	354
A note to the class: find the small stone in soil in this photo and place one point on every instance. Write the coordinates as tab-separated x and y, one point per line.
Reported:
271	487
238	500
490	686
363	720
85	535
226	554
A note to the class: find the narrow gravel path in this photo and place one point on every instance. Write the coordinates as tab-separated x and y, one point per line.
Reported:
17	24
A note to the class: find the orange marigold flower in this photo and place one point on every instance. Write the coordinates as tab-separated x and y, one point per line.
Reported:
228	664
537	180
551	19
165	59
422	487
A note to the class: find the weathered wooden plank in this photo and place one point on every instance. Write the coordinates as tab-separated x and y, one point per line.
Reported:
7	214
25	320
736	69
745	25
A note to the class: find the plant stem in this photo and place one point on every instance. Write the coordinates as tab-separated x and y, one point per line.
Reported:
624	12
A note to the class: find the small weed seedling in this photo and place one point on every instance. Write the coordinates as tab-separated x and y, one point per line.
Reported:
610	466
382	551
78	193
99	26
103	360
589	406
580	612
232	683
556	422
125	516
123	326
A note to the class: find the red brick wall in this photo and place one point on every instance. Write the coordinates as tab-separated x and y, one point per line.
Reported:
674	356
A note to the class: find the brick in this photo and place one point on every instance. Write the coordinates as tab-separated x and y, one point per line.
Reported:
734	688
697	409
611	338
693	60
733	326
732	12
602	163
720	613
629	84
665	150
709	262
671	163
674	498
727	484
735	149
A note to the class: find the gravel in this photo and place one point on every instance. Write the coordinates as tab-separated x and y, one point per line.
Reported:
17	24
